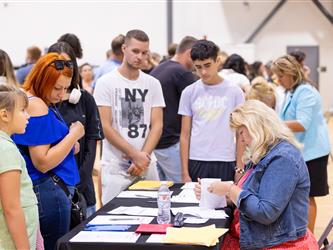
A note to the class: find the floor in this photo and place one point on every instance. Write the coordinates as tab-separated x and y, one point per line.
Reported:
324	204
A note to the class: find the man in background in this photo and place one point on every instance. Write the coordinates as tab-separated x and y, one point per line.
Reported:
33	54
115	57
175	75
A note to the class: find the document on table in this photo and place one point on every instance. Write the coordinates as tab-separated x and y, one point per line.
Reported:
92	236
200	212
120	220
185	196
148	185
135	210
192	220
206	236
138	194
156	238
189	185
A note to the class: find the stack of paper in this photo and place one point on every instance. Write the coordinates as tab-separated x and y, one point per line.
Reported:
185	196
90	236
206	236
189	185
200	212
135	210
137	194
120	220
148	185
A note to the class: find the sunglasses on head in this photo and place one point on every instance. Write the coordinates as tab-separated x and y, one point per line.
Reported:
60	64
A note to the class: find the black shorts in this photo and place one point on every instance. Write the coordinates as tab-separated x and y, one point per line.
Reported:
212	169
318	176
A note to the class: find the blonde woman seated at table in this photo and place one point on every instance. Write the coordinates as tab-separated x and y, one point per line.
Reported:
272	196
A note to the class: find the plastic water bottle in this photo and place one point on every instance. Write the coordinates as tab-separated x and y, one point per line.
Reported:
164	204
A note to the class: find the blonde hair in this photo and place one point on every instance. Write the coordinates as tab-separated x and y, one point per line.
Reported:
287	65
263	91
265	128
9	95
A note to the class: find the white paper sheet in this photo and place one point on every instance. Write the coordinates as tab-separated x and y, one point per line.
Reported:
185	196
200	212
209	200
138	194
189	185
119	220
155	238
195	220
90	236
135	210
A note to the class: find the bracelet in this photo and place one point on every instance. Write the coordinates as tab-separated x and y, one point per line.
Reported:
239	170
228	193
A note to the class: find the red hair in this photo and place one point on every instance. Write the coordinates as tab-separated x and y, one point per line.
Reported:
44	75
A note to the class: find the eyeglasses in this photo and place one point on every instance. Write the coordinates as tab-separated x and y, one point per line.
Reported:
60	64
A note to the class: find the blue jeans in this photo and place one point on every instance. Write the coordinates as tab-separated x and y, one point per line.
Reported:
168	163
90	210
54	210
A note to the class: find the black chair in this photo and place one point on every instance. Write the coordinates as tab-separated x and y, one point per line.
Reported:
323	241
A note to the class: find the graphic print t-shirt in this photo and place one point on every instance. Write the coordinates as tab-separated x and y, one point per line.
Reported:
131	102
210	107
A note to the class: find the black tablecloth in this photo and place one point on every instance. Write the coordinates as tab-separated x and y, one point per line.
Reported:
64	243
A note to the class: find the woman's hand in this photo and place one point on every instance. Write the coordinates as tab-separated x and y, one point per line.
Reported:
76	148
77	130
197	189
220	187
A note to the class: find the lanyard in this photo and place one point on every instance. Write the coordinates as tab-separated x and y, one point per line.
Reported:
57	114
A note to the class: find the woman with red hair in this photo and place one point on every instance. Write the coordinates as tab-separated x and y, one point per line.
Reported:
48	145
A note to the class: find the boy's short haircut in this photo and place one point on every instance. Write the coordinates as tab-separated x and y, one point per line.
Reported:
204	49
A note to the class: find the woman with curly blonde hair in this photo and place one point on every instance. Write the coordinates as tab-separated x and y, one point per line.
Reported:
272	195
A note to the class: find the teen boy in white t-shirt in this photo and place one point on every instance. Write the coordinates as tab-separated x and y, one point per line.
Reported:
207	144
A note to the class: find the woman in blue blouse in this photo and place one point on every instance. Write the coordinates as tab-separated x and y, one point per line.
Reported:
302	112
48	145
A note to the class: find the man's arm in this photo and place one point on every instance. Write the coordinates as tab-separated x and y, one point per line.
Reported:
185	135
156	128
114	138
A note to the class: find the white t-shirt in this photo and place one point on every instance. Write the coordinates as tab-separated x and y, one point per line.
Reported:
210	106
131	102
279	97
239	79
